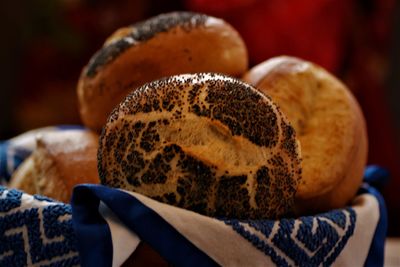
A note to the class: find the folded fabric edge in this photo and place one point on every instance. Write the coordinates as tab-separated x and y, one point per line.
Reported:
124	240
377	249
138	217
92	231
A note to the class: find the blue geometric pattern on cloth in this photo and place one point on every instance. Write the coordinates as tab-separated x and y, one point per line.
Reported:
306	241
36	231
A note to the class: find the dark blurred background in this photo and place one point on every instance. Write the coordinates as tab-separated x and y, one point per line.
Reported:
45	44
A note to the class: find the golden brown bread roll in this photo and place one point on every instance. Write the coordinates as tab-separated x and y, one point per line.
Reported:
60	161
168	44
23	177
329	124
204	142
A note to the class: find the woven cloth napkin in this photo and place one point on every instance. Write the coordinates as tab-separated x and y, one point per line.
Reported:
102	226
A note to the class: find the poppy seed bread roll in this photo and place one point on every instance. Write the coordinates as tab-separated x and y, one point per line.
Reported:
205	142
168	44
329	124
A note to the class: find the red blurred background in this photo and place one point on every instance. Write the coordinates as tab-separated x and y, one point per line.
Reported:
45	44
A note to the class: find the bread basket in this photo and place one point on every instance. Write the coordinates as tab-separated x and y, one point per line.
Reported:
103	226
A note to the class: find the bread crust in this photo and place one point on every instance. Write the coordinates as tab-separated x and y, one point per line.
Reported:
60	161
204	142
330	127
169	44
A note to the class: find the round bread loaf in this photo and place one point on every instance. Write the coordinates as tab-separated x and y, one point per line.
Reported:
168	44
60	161
329	124
204	142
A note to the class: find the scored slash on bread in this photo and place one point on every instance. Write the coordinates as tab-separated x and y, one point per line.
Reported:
204	142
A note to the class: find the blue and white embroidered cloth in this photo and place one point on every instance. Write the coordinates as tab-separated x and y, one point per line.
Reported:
103	226
35	231
353	236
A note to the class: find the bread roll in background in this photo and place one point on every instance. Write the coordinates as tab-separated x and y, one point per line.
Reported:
205	142
168	44
60	161
329	124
